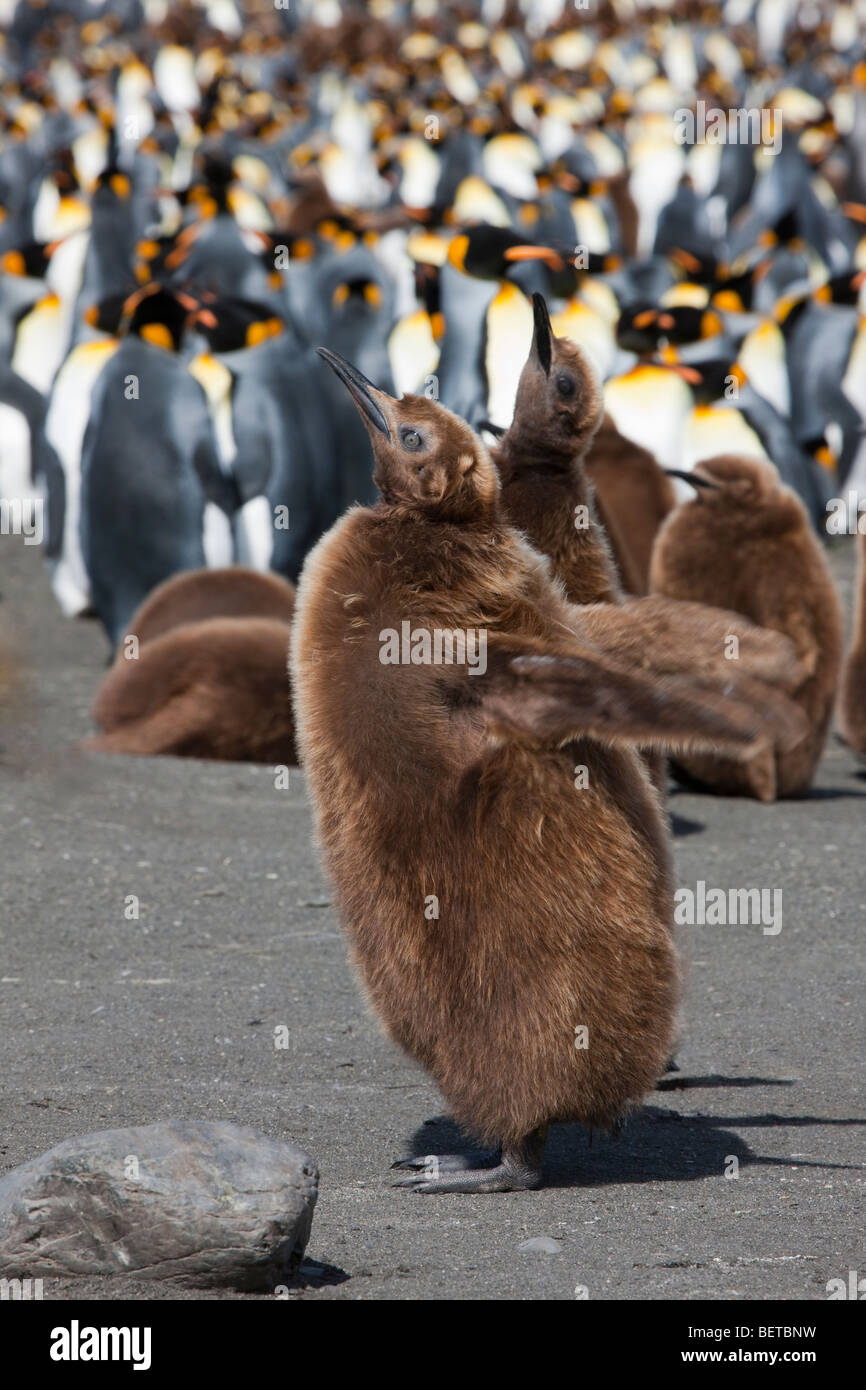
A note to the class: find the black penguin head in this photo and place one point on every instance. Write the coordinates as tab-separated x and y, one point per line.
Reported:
842	289
107	314
489	253
355	295
559	402
29	261
159	316
644	328
112	183
209	194
231	324
426	458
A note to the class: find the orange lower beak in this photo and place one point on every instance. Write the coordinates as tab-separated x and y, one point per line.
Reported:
536	253
688	374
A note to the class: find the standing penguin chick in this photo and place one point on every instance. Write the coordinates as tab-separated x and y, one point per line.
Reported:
213	689
545	490
746	542
852	706
492	909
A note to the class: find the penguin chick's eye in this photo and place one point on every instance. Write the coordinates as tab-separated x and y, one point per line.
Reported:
411	440
564	384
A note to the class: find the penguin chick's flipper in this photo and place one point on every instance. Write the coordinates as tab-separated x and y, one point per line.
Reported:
519	1170
550	699
673	637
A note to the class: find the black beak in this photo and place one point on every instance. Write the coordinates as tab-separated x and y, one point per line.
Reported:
542	337
496	430
362	391
694	479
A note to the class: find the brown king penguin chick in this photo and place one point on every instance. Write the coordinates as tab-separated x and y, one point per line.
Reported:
746	542
194	595
546	493
852	705
633	495
558	410
494	910
545	490
213	689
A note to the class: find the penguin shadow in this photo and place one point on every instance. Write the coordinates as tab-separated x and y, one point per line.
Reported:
685	785
656	1145
684	1083
859	768
681	826
836	793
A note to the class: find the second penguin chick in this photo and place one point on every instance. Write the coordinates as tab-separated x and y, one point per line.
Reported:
214	689
852	705
633	495
746	543
194	595
545	490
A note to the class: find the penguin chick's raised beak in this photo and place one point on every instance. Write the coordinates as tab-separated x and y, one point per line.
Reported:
695	479
542	336
487	425
362	391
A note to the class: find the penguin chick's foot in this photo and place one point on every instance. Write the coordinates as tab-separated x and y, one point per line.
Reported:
431	1165
519	1171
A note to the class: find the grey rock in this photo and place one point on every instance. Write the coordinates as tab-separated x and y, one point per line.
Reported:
199	1203
541	1245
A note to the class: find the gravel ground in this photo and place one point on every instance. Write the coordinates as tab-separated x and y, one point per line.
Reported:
108	1022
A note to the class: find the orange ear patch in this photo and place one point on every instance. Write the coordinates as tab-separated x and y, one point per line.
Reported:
158	335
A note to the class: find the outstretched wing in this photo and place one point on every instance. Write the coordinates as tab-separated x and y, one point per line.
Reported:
536	694
667	636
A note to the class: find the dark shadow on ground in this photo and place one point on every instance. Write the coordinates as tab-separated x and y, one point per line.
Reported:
834	793
682	826
683	1083
655	1146
314	1274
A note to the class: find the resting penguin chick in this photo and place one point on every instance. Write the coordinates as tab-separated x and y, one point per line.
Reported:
746	543
194	595
492	909
852	706
213	689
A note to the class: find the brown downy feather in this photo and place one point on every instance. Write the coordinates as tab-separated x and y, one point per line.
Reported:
852	705
746	543
492	906
213	689
633	495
